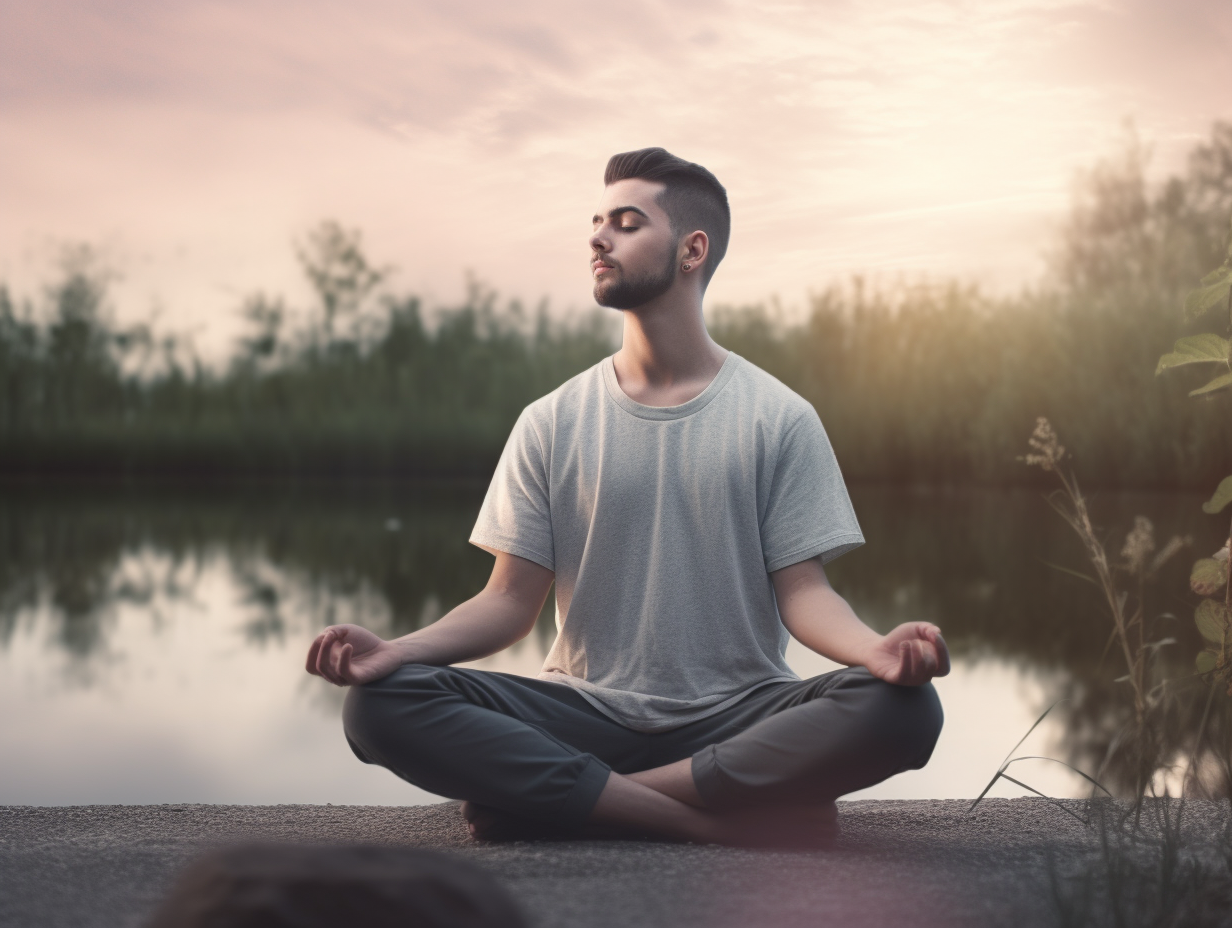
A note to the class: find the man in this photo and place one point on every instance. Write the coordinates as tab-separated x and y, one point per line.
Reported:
684	502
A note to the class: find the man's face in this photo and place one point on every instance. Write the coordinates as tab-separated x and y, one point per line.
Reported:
633	250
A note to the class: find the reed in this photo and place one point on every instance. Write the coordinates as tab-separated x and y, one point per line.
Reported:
915	381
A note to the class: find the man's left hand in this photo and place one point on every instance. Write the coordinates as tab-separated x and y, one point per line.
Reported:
910	655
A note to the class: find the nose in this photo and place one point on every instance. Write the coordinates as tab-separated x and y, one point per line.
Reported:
598	241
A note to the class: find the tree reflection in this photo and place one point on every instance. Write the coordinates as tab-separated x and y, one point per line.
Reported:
395	557
302	555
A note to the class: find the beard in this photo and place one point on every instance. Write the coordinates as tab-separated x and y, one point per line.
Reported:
632	292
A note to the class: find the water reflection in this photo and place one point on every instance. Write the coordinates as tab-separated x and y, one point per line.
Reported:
120	607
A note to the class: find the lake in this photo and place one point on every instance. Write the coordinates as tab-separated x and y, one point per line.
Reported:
152	638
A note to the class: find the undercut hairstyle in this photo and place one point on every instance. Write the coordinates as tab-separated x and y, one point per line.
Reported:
692	197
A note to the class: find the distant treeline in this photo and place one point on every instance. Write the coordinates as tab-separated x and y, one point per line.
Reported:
929	382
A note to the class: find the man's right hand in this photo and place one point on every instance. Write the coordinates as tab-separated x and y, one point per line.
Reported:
348	655
503	612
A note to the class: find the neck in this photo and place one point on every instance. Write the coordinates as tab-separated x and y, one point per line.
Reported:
666	352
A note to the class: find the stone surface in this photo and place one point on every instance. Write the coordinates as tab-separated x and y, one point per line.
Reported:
897	863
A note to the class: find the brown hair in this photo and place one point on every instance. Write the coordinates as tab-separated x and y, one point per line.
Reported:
264	885
693	198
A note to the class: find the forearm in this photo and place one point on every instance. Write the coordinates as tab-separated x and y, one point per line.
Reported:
483	625
822	621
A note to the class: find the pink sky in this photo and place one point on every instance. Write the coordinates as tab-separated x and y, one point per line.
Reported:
193	141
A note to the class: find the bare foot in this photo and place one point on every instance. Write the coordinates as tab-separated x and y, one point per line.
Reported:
488	824
806	827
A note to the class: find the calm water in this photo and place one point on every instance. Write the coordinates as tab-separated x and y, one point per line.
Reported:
152	640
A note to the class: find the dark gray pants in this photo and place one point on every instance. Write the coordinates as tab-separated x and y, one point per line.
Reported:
536	748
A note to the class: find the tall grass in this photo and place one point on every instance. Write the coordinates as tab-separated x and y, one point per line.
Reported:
929	382
937	383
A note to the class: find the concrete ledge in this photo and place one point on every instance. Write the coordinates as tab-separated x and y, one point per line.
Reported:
898	863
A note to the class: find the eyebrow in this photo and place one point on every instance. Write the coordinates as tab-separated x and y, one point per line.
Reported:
613	213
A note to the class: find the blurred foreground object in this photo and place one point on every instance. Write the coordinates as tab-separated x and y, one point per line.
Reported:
293	886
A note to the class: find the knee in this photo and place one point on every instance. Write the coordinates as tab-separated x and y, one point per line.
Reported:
919	723
358	708
909	718
924	719
361	721
370	711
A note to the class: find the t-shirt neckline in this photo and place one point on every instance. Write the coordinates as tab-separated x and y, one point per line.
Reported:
667	412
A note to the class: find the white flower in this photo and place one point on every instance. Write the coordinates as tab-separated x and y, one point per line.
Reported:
1139	544
1044	440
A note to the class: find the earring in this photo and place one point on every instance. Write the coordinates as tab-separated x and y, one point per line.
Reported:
687	266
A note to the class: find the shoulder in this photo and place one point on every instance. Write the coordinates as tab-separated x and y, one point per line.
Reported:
565	403
773	402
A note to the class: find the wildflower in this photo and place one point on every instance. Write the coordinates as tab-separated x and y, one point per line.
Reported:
1175	544
1139	544
1044	441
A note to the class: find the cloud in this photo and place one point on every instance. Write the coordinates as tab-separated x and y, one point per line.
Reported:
930	136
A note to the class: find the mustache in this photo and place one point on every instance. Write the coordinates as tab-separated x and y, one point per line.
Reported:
595	259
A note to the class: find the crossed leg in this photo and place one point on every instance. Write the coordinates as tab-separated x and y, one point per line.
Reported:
663	802
765	771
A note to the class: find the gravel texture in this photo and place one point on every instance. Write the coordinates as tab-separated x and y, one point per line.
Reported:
897	863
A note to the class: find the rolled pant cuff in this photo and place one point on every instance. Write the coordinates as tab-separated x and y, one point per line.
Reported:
585	794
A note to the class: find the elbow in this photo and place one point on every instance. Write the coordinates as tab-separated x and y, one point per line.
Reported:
526	625
519	616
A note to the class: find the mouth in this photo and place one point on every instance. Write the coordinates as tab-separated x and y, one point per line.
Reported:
599	268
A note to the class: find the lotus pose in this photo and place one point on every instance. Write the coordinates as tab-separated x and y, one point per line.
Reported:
685	503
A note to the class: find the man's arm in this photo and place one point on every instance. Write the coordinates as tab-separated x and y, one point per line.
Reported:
822	621
502	613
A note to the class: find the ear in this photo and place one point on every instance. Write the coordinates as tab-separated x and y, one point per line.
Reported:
693	250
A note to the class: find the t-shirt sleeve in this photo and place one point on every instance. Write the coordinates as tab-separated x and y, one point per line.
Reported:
515	516
808	511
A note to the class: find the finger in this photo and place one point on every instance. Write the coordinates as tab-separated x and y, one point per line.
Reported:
344	663
939	652
335	662
321	648
313	651
919	662
323	657
943	656
325	662
906	663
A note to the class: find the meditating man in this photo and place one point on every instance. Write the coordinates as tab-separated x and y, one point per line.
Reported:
684	502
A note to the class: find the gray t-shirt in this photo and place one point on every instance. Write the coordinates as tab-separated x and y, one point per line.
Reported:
662	524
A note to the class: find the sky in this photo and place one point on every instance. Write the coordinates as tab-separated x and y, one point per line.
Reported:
193	143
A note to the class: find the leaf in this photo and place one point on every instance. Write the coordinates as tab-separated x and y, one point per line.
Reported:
1206	348
1216	276
1221	497
1005	763
1161	643
1066	570
1214	290
1212	619
1071	767
1223	380
1206	661
1209	576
